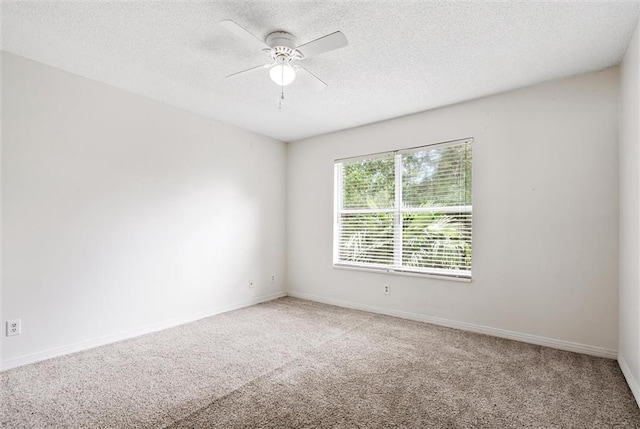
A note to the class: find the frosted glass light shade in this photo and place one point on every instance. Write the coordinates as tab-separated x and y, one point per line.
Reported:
282	74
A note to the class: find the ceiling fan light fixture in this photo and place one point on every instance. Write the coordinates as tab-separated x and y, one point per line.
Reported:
283	49
282	74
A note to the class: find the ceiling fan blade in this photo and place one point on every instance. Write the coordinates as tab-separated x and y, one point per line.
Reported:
243	34
323	44
309	79
264	66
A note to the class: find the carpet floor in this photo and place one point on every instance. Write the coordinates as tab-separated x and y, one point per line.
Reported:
291	363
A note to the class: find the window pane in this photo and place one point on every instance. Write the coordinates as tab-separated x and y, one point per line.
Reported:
427	231
366	238
437	240
369	183
437	177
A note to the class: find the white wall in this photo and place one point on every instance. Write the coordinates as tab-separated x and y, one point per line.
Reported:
545	256
123	215
629	355
3	326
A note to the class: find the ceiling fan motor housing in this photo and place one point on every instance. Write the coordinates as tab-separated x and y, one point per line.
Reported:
282	38
283	47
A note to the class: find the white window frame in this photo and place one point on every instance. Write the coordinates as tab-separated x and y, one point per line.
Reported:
398	212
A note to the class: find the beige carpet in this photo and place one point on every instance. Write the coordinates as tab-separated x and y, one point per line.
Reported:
291	363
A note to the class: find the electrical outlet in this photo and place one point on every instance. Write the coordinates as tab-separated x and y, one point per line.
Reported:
386	289
250	284
13	327
273	278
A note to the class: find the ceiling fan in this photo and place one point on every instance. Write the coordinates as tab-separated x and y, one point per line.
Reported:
284	51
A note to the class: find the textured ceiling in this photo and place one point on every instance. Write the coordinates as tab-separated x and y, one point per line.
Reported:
402	57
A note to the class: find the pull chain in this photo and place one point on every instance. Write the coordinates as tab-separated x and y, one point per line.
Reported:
281	90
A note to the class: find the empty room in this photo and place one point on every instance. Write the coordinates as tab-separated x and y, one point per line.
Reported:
372	214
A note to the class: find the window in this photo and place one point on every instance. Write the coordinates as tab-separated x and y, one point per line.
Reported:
406	211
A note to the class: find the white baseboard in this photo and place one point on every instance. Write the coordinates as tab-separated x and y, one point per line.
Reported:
631	381
96	342
502	333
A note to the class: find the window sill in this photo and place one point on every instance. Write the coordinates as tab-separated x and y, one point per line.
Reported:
402	273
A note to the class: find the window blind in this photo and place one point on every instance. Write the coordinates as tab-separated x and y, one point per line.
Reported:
406	211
